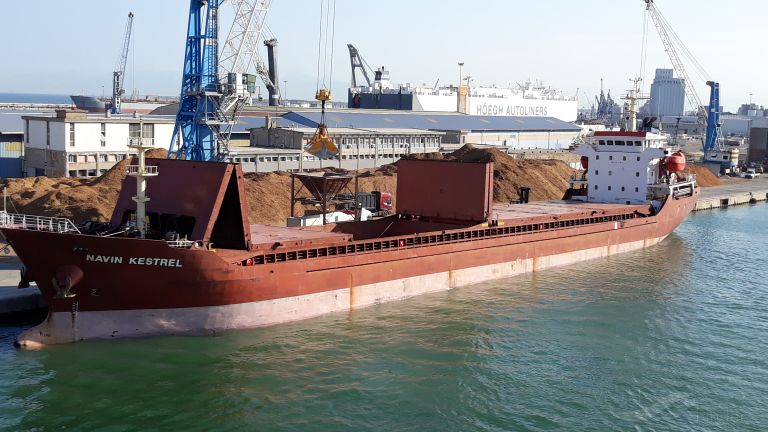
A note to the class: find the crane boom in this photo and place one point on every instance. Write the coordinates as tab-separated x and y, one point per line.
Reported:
674	57
118	76
358	63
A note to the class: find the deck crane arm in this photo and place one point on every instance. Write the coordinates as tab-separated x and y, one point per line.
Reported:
118	76
358	62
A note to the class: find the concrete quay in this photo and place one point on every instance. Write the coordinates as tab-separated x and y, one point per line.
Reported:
13	299
737	193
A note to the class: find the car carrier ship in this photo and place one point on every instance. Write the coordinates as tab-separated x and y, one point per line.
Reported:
199	267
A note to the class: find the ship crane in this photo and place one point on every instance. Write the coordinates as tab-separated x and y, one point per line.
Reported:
714	147
118	76
358	62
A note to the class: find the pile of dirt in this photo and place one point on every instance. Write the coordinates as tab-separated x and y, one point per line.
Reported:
704	176
547	178
77	199
269	194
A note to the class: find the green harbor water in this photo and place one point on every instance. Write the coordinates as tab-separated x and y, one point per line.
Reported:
672	338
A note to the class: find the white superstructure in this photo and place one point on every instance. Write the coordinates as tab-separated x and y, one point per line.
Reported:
527	100
628	168
524	100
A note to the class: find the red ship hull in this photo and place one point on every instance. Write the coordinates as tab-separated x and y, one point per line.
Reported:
135	287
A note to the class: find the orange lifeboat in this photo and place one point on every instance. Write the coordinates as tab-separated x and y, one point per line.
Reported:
585	162
675	162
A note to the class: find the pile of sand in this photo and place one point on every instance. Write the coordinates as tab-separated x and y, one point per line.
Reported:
269	194
547	178
77	199
704	176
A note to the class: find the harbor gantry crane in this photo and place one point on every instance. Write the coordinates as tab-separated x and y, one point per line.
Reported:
240	51
118	76
713	146
203	127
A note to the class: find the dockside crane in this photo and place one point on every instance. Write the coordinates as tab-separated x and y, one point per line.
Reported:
240	51
713	143
203	127
118	76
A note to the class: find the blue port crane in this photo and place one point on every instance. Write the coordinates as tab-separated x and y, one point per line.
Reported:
202	122
118	76
714	137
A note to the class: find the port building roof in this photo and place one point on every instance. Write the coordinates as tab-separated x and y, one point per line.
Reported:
427	121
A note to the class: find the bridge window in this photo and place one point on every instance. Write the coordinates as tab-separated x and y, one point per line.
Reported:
619	142
595	187
602	142
638	144
609	188
610	142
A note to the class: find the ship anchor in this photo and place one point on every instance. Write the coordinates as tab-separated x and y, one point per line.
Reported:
66	277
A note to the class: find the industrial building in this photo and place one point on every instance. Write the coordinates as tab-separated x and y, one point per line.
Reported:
358	148
667	95
758	145
74	144
456	129
370	139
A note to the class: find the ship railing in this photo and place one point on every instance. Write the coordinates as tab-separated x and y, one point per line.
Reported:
37	223
134	170
141	141
180	244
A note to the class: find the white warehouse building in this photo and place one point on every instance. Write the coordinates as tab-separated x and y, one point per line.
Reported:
74	144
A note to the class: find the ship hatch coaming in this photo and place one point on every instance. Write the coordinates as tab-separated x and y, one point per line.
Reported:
217	194
228	229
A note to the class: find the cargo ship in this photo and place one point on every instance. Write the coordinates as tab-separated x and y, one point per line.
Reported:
146	105
188	262
529	99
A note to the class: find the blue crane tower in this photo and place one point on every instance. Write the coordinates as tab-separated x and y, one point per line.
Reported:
202	125
714	132
118	76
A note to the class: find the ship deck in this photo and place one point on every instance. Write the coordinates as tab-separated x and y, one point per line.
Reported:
269	235
559	209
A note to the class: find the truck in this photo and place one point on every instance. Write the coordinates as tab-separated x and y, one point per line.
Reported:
751	173
377	202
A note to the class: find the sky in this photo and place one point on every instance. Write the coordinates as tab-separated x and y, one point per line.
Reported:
53	46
